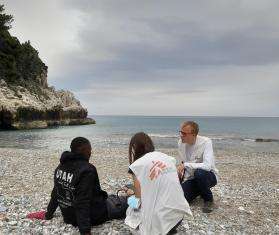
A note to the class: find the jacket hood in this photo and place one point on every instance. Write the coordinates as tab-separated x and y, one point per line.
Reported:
70	156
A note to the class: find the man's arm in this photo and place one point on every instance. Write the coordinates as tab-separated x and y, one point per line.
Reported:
82	201
208	159
52	205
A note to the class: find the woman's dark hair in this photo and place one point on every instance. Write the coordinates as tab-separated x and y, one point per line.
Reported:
140	144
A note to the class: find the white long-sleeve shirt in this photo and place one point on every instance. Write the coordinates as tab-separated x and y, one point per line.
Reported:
197	156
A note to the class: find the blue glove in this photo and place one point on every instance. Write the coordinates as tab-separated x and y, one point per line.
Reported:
134	202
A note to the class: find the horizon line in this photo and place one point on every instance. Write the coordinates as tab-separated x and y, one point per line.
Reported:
141	115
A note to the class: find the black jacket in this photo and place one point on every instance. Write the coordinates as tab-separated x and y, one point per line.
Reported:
78	193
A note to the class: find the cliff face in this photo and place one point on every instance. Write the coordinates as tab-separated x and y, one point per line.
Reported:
26	100
21	108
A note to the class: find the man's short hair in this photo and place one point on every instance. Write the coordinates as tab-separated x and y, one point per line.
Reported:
195	126
77	143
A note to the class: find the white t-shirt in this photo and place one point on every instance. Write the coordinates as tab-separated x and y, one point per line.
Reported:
162	200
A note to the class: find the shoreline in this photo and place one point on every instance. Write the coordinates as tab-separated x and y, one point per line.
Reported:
44	124
247	193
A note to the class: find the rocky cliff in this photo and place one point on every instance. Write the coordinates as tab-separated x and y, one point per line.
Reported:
20	108
26	100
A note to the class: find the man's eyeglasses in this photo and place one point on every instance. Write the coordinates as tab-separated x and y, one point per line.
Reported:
182	133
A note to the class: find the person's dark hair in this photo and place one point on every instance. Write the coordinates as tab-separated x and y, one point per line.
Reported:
194	125
140	144
77	143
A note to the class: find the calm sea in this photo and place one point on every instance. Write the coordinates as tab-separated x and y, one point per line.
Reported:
232	133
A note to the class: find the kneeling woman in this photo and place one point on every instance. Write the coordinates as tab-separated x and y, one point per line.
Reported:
157	187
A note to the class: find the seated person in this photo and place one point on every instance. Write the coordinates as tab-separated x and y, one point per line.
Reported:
78	193
158	192
198	163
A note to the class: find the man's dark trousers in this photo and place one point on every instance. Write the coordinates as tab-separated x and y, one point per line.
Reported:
200	185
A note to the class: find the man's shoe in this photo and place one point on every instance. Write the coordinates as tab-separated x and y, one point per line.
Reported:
208	207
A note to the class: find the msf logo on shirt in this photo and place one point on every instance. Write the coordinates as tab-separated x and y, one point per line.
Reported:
157	169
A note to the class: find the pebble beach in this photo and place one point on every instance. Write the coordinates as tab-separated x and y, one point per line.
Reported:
247	194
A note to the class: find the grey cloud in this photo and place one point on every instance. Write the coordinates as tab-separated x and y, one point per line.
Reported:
140	38
122	55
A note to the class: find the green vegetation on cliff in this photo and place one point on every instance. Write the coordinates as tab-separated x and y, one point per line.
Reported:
19	62
26	100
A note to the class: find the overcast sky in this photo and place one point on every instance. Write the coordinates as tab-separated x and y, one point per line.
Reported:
158	57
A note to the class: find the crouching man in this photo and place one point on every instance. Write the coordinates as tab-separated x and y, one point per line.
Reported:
197	164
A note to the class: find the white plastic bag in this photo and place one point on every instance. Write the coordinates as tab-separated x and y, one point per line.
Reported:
132	218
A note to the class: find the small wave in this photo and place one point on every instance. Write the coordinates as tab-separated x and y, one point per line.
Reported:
249	139
260	140
163	136
220	138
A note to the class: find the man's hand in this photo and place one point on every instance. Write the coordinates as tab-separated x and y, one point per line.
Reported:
180	170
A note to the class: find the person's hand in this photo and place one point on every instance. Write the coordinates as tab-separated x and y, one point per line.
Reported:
128	191
180	170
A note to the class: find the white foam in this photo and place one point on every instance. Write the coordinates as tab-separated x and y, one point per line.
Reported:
163	136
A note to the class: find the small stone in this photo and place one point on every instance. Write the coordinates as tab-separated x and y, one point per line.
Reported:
185	225
12	223
2	217
3	209
241	208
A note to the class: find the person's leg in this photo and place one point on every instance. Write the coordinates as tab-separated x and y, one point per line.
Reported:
116	207
204	181
190	189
